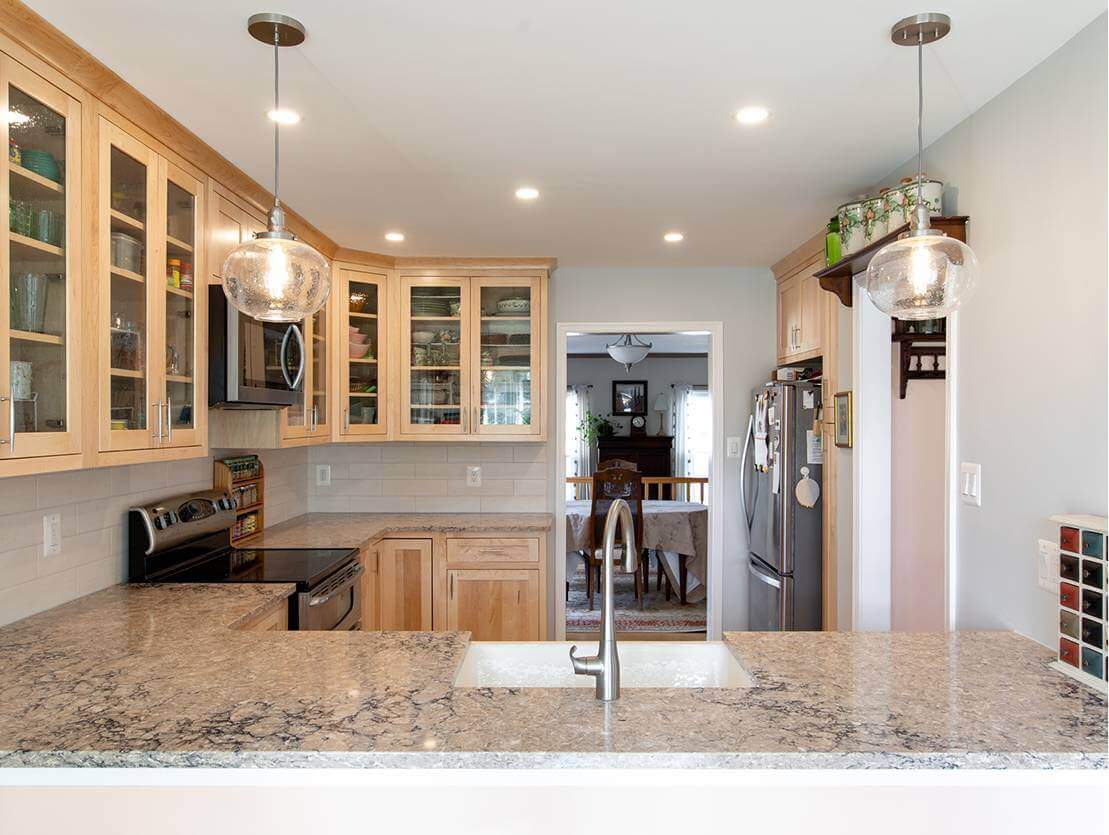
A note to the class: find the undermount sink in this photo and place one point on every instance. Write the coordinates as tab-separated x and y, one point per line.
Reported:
642	664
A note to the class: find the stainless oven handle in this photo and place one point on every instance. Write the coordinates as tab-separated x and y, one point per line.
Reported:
319	601
303	355
284	355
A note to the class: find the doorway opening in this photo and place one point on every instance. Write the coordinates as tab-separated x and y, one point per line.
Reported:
658	420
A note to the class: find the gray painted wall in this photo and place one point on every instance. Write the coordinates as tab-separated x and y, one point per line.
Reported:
744	299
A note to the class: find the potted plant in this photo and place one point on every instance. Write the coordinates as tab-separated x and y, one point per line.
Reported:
593	427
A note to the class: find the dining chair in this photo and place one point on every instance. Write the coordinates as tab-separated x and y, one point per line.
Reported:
609	485
621	463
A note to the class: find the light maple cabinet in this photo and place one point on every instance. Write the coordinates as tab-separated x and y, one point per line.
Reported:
306	420
404	577
41	333
471	356
274	619
494	604
361	353
802	307
152	355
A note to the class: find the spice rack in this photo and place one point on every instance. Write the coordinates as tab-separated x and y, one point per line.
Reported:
1083	635
243	477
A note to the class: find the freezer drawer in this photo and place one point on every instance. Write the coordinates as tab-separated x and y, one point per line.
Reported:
770	600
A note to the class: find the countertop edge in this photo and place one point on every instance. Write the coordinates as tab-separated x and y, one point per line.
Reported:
554	760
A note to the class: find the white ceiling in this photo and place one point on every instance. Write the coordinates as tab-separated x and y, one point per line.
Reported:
661	343
426	116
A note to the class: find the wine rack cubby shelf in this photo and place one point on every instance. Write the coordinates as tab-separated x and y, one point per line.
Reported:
244	478
1083	633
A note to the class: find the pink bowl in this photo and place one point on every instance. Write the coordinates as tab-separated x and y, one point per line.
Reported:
358	351
358	337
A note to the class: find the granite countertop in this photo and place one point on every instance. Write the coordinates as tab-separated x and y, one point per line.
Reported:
155	676
352	530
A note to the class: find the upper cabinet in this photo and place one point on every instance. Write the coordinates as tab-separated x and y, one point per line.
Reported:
152	360
471	356
40	277
361	352
802	306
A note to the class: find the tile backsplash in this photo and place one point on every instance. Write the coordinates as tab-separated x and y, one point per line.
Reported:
93	507
429	478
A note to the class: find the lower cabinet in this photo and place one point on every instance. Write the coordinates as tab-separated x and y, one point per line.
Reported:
274	619
404	584
493	587
494	604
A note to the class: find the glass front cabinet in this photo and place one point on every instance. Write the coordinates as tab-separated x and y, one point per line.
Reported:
472	356
151	356
40	320
361	339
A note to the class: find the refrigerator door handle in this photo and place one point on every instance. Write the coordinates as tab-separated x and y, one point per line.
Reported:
762	575
748	517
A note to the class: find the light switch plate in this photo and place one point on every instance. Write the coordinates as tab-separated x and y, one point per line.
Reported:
51	534
473	476
1047	566
970	484
323	475
735	447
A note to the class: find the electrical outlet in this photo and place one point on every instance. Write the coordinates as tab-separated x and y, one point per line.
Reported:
51	534
1047	565
735	447
323	475
970	484
473	476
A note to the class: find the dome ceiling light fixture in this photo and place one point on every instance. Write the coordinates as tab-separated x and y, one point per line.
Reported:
628	350
924	274
274	277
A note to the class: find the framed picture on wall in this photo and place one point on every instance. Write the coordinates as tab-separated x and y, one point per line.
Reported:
629	397
843	418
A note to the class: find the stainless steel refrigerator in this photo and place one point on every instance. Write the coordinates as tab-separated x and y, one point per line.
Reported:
780	480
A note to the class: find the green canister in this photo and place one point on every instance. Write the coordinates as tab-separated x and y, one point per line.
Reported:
833	250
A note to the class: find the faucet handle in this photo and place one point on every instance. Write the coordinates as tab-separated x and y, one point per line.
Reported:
588	665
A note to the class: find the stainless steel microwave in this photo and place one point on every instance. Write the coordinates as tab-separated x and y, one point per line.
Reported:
252	364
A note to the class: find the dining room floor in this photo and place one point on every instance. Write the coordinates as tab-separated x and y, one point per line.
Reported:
658	614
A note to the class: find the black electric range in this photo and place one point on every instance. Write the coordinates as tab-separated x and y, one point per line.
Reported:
187	539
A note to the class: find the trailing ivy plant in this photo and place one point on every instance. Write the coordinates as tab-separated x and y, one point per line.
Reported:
593	427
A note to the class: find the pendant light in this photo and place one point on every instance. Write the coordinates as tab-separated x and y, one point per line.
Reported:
274	277
924	274
628	350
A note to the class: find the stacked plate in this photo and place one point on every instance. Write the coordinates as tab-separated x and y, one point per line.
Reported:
431	306
41	162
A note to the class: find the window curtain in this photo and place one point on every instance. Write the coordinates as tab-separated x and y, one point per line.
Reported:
679	416
579	454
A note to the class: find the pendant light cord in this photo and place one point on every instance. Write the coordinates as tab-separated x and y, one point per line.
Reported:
920	117
276	124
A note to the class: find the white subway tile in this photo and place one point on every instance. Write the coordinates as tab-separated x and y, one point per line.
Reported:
457	487
18	566
77	550
531	487
379	469
533	471
138	478
17	494
413	452
23	529
76	486
37	595
448	504
514	504
100	574
529	453
440	470
102	513
413	487
329	504
496	452
342	453
193	470
382	504
465	454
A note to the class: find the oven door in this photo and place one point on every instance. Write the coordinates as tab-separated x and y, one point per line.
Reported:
335	605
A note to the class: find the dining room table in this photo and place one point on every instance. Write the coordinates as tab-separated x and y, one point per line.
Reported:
677	531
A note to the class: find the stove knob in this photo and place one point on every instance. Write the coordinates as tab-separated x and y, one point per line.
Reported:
160	522
186	513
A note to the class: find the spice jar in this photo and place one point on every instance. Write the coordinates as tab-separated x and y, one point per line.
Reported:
173	272
186	276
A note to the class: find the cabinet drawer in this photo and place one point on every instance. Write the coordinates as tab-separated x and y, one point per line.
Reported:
1068	540
492	550
1068	596
1093	544
1068	652
275	620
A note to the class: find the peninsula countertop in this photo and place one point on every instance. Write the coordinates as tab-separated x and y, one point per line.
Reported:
351	530
147	675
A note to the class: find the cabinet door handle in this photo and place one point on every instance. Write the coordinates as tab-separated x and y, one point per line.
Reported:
477	418
346	420
465	422
169	420
10	440
315	418
450	593
158	406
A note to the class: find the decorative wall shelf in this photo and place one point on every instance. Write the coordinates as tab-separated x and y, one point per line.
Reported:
837	278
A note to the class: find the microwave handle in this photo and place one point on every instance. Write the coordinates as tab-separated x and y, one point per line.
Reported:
284	354
303	355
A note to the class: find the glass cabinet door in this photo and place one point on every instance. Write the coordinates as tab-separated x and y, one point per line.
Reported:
435	337
39	320
294	421
506	346
361	297
132	413
183	286
319	424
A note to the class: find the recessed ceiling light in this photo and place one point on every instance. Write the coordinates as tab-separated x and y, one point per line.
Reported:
527	193
673	237
753	115
395	237
17	118
284	116
694	333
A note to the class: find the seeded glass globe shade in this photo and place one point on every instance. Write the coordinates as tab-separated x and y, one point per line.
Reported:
276	279
923	276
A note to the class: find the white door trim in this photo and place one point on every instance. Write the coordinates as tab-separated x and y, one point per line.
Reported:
715	599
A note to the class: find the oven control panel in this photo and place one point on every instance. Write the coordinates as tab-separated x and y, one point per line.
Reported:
179	519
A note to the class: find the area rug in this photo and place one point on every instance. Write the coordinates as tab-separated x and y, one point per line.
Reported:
657	614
